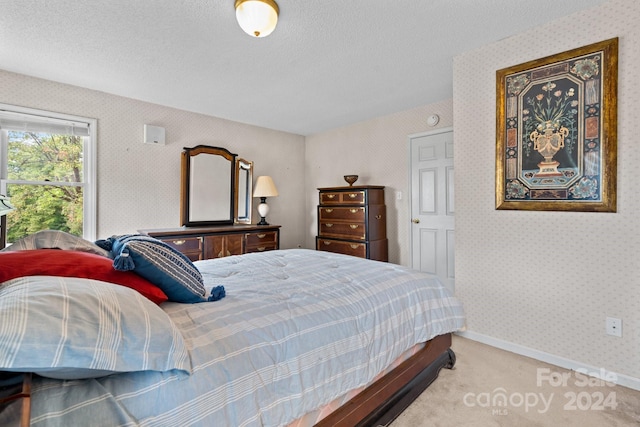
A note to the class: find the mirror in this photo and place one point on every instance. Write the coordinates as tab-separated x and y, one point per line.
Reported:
216	187
244	190
207	195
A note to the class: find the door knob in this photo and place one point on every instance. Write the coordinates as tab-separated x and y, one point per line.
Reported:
415	221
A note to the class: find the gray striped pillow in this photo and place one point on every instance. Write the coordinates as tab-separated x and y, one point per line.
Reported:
70	328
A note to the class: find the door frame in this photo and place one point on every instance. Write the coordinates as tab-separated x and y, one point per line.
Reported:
409	224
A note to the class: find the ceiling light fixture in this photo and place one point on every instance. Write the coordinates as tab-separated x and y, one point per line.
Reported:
258	18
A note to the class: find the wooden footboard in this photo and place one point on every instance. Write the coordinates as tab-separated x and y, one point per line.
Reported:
17	391
380	403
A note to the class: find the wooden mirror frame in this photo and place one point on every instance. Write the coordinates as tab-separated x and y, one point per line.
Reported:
244	191
186	192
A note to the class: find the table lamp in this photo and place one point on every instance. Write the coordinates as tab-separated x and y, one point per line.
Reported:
264	188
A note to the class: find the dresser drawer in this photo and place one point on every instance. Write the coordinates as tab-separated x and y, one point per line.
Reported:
260	238
342	198
219	241
261	248
261	241
347	230
342	214
189	246
222	245
342	247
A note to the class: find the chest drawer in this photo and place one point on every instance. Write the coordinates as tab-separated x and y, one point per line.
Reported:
341	214
341	247
342	198
347	230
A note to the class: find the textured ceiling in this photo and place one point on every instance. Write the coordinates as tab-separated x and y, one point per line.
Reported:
329	63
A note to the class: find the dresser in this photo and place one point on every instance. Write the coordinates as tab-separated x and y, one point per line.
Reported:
219	241
353	221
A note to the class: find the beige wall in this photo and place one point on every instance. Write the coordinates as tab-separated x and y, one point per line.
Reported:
377	151
139	184
542	283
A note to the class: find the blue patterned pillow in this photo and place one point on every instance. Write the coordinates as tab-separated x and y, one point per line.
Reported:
159	263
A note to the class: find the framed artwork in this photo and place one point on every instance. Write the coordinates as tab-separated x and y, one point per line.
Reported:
557	131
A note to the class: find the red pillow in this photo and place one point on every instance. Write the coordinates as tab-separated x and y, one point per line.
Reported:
56	262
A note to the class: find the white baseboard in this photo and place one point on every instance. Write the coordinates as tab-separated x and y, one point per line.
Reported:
623	380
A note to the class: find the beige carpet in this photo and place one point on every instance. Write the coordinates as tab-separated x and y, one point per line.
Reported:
469	394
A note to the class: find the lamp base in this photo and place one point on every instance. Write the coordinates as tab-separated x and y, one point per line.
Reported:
263	210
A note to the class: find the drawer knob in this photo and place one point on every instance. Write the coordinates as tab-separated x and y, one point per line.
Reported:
261	236
330	196
353	195
354	246
353	226
329	225
326	243
261	248
378	216
328	210
353	211
178	242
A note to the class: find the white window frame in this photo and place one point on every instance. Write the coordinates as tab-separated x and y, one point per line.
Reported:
89	169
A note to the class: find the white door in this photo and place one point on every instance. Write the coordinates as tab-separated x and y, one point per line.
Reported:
432	208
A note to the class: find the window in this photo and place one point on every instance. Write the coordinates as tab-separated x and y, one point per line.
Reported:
48	169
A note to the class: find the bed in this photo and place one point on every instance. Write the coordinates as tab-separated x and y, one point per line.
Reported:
282	338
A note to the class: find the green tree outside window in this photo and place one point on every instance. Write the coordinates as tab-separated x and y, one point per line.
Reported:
45	183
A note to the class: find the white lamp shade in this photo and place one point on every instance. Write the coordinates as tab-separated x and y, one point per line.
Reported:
258	18
264	187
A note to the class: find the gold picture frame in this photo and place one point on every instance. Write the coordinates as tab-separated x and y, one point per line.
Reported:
556	131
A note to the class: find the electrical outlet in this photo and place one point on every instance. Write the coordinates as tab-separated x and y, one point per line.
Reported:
614	326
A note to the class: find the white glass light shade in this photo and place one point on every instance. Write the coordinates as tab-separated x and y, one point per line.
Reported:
258	18
5	206
265	187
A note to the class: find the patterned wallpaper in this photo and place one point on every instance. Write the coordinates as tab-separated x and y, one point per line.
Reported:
547	280
139	184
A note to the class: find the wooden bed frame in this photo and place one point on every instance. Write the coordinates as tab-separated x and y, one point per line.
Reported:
20	391
380	403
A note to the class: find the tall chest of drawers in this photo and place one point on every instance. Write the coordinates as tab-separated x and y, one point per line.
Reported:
353	221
